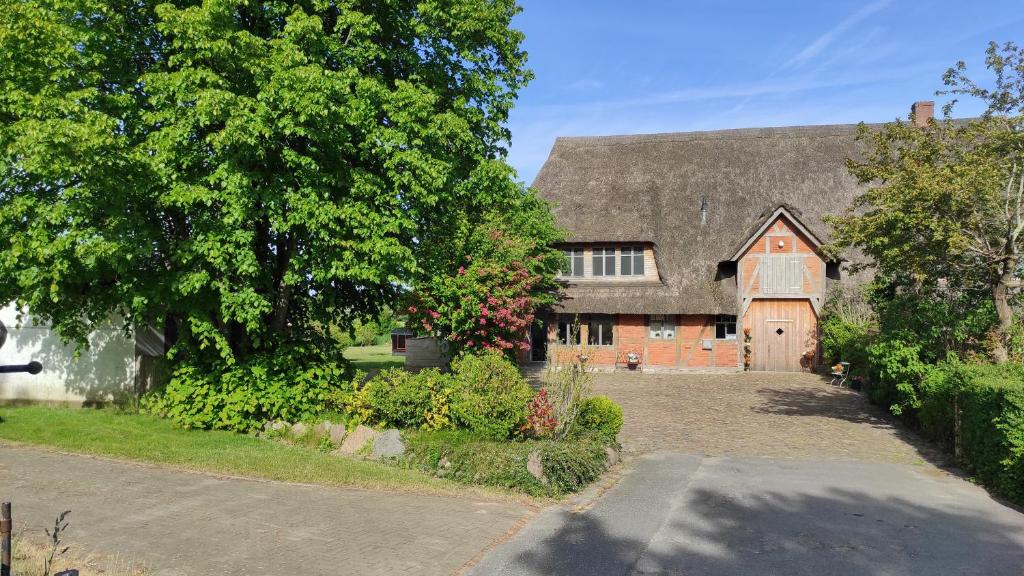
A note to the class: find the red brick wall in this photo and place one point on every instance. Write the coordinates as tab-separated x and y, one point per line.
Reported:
684	351
630	334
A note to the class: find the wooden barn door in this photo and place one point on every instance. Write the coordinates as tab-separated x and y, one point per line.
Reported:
782	331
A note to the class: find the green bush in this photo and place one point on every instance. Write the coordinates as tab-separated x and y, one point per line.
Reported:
846	341
489	396
990	399
396	398
243	396
599	414
895	372
470	459
400	399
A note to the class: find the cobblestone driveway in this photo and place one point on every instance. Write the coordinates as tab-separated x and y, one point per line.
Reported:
756	414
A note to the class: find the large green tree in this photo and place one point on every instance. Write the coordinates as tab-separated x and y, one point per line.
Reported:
245	172
944	213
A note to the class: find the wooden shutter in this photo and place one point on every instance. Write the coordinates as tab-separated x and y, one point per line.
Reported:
782	274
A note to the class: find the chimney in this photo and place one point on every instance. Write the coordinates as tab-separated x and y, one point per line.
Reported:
921	112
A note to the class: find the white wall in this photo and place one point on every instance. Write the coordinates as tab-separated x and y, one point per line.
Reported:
103	370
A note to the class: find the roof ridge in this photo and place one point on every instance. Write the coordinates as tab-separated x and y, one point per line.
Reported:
821	130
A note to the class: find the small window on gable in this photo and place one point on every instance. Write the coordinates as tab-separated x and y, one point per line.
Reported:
573	262
725	327
662	327
604	261
568	330
632	261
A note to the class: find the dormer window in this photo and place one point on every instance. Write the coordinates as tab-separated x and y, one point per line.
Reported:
632	261
604	261
573	262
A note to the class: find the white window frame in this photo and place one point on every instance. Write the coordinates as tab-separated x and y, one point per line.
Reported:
600	320
575	263
634	255
661	327
604	256
563	331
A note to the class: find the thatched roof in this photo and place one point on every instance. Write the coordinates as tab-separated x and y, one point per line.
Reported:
649	188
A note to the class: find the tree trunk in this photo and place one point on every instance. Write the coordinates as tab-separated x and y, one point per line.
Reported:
282	295
1001	299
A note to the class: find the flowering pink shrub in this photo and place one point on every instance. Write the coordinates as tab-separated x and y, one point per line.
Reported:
488	302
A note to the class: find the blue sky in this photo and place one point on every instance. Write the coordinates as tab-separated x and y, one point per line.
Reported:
642	66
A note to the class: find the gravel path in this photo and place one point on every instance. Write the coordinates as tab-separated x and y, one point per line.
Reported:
757	414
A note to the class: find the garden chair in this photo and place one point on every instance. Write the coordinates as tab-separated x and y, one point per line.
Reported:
840	372
630	361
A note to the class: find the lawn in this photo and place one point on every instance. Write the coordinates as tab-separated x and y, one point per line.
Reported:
106	432
373	358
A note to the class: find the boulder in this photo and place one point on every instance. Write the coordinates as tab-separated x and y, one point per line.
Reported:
388	445
298	429
357	439
322	429
536	468
337	433
612	456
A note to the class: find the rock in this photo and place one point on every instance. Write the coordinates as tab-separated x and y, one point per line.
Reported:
612	456
323	429
444	463
278	425
298	429
388	445
337	433
536	468
357	439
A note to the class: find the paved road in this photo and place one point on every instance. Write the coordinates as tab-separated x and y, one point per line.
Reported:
694	515
179	523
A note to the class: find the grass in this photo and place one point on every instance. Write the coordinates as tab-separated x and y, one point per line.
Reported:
29	554
373	358
107	432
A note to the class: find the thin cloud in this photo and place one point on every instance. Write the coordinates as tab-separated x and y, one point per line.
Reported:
822	42
769	87
587	84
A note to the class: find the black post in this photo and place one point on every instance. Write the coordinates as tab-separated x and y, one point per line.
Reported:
5	539
32	368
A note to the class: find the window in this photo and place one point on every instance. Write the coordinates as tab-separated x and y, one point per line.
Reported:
604	261
573	262
662	327
398	343
632	261
600	331
725	327
568	330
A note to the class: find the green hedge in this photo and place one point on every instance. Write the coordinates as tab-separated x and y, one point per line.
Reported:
568	464
990	399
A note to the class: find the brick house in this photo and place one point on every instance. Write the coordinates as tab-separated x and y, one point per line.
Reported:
679	243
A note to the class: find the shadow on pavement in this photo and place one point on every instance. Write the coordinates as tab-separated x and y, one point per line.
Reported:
839	532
